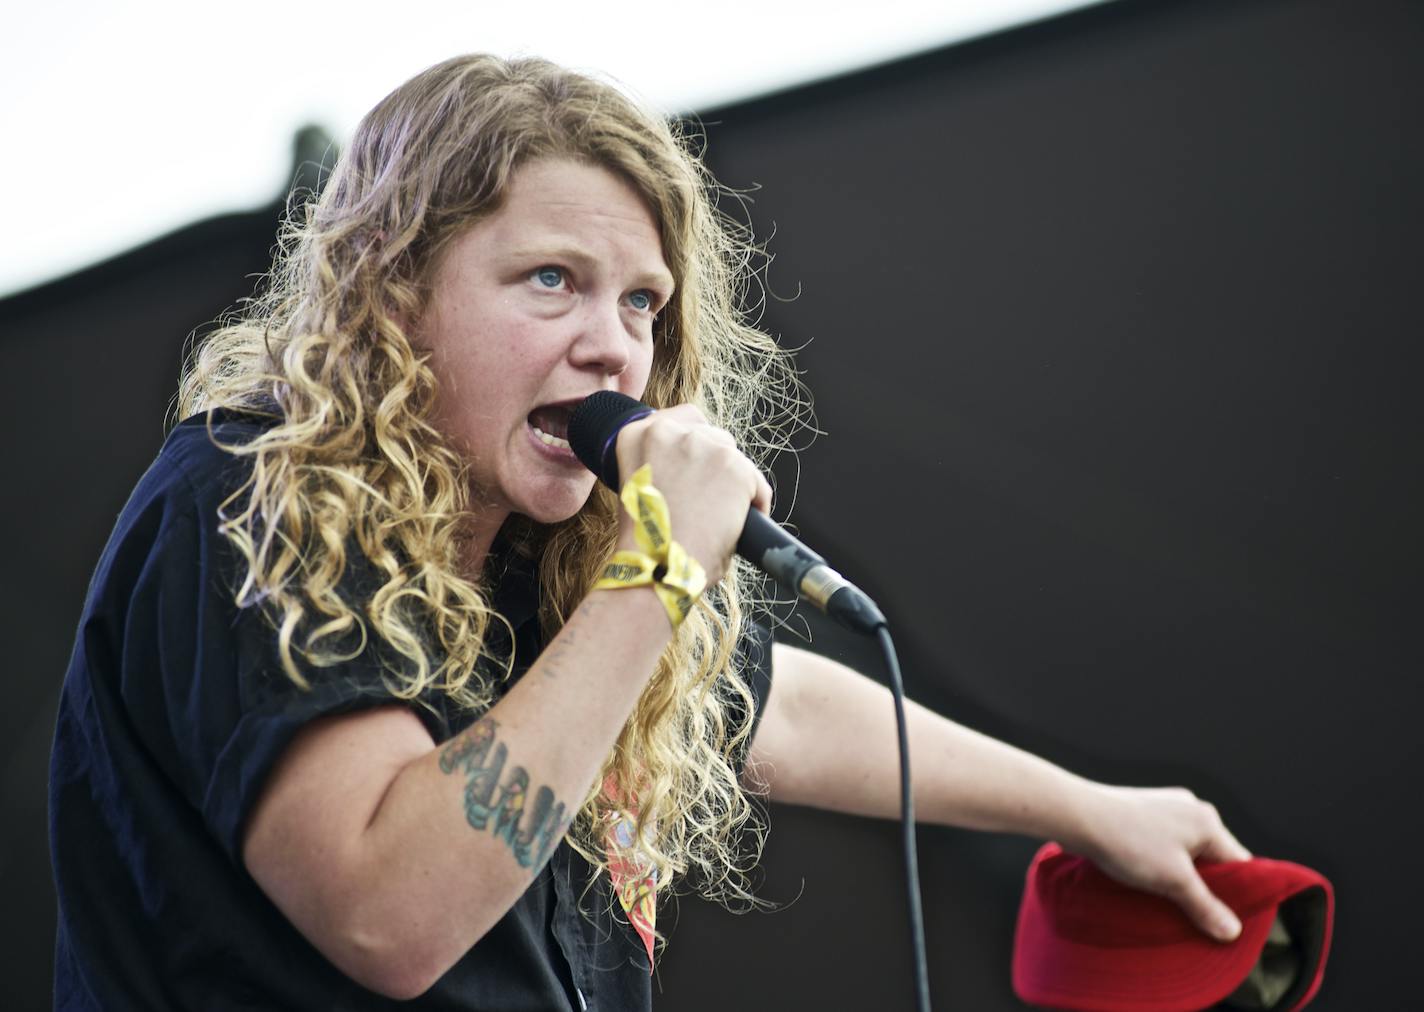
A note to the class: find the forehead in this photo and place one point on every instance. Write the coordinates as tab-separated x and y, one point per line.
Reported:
566	203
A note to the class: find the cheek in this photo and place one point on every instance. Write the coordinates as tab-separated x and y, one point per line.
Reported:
641	376
639	373
487	352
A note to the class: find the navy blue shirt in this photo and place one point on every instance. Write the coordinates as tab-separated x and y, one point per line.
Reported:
175	709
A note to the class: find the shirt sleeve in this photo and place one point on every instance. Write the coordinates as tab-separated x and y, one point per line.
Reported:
202	679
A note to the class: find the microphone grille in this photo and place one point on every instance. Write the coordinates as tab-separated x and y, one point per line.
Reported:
594	427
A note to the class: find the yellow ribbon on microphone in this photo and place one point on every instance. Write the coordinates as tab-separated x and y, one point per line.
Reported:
676	577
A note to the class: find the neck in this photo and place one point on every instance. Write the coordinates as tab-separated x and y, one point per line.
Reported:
483	529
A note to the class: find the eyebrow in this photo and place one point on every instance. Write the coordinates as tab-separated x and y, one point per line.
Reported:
558	253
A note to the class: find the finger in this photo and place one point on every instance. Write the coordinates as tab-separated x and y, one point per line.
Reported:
1208	913
1223	846
762	499
1217	843
660	431
630	439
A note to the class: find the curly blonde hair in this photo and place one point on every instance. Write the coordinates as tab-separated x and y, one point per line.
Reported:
353	467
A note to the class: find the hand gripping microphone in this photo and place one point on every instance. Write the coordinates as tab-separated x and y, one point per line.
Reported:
593	435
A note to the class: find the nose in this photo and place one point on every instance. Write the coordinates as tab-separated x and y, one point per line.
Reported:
603	342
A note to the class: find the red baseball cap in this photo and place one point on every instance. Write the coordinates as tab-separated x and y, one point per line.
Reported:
1085	941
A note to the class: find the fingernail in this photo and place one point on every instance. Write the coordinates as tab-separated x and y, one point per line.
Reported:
1227	928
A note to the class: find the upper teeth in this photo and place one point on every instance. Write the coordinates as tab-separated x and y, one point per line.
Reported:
549	440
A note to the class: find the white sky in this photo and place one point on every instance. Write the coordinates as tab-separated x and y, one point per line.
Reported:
124	120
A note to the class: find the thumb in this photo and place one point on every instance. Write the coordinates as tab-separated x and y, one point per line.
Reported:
1208	913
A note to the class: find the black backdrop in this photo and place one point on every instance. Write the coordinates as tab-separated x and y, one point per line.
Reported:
1111	326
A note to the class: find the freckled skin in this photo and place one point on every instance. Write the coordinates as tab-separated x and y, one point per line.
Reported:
504	340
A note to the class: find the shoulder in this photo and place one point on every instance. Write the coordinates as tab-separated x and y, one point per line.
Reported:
196	471
202	452
168	528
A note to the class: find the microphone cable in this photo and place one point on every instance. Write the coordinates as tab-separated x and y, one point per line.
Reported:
907	824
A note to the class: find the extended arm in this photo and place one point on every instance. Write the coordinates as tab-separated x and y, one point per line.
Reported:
827	739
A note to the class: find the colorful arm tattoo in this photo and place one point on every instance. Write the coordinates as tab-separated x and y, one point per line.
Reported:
500	807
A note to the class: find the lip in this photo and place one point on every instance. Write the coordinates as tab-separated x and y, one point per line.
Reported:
567	402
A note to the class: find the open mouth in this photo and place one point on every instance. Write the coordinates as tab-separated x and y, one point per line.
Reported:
550	423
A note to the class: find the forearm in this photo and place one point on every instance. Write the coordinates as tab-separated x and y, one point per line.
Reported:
846	758
828	739
462	830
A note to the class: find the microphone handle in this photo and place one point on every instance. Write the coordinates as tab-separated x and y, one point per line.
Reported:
767	545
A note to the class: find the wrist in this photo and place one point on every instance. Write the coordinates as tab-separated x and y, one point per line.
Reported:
659	559
1086	816
638	611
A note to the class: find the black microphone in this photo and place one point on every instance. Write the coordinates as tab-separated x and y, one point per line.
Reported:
593	435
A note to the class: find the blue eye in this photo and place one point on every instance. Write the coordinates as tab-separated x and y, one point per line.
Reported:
550	277
642	300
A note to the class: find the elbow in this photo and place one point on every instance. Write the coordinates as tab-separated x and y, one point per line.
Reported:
390	938
396	987
394	957
389	970
401	988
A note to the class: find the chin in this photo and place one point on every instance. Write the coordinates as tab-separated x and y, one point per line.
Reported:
558	504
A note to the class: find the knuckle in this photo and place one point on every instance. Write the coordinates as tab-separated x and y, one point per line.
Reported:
666	436
725	457
685	413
